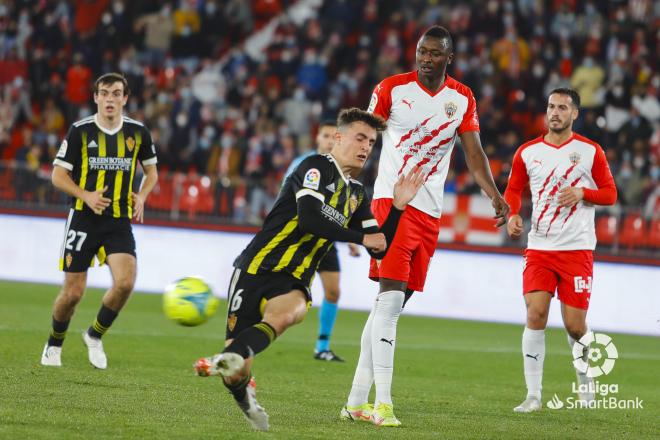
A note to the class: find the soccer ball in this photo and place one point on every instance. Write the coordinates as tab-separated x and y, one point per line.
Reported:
189	301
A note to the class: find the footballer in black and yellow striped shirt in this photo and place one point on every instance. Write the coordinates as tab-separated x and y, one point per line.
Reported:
96	166
320	203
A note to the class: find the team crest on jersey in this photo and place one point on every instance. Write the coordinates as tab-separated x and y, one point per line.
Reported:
450	109
231	321
352	203
312	179
574	158
130	143
69	260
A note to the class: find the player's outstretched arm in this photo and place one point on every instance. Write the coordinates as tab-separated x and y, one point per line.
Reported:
477	163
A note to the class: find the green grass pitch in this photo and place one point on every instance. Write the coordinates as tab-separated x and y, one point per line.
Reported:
453	379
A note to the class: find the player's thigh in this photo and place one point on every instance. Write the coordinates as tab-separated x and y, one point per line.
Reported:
396	264
575	269
330	261
249	296
421	258
539	273
82	240
330	282
123	268
285	310
575	320
118	236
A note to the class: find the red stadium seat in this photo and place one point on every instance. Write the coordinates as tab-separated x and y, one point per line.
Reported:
162	195
7	186
654	233
197	197
633	231
606	227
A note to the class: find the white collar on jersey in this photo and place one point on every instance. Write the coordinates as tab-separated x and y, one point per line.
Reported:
333	160
105	130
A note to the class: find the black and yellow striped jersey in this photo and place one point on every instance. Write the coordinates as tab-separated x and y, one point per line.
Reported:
281	246
97	157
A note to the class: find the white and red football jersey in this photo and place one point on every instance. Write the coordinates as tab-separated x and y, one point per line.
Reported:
578	162
421	131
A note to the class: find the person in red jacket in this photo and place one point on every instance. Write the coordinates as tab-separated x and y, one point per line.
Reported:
567	175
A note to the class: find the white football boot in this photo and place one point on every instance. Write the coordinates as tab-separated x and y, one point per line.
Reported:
95	351
529	405
51	356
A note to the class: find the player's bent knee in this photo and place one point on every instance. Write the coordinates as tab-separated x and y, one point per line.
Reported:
576	330
332	296
282	321
536	317
124	286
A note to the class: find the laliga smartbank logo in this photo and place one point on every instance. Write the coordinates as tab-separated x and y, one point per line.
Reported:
594	355
599	351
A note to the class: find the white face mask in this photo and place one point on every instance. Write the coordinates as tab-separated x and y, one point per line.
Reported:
118	8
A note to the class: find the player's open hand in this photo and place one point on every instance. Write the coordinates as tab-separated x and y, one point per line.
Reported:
570	196
501	210
138	207
407	186
353	250
514	227
376	242
96	201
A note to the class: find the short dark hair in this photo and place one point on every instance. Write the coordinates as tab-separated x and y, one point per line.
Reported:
575	96
441	33
349	115
111	78
327	123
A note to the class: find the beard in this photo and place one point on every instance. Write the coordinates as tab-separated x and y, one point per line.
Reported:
559	129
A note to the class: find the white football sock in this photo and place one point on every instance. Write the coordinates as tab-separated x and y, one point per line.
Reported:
581	376
533	350
364	375
383	341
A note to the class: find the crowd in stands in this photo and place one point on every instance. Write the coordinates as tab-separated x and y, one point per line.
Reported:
216	109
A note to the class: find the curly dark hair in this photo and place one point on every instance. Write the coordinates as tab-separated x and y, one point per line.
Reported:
349	115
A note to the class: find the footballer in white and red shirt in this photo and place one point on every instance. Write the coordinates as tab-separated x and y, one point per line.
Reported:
567	175
426	110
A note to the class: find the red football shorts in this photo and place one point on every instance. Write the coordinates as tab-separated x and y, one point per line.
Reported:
409	254
570	273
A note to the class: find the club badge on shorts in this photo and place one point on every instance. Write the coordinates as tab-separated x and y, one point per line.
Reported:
231	321
69	260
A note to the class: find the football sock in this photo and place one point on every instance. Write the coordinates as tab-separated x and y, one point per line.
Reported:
533	349
383	340
327	317
238	389
364	375
253	340
58	332
102	322
582	376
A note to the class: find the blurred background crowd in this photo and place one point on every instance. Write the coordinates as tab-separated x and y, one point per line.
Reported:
233	90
